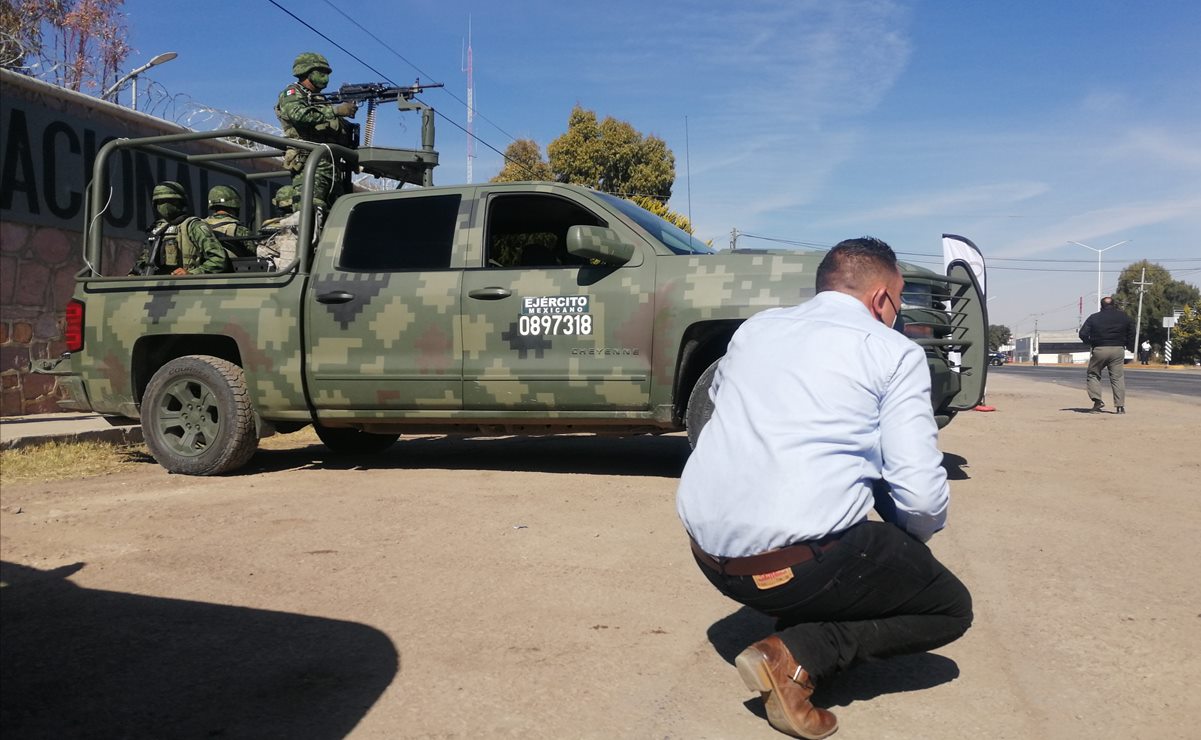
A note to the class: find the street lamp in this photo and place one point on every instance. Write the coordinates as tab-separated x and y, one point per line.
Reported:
164	57
1099	251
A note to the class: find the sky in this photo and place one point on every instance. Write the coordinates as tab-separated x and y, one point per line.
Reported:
1023	125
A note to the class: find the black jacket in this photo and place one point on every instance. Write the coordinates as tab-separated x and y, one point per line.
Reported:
1109	327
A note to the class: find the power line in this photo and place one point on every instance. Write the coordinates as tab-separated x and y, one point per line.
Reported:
384	44
385	77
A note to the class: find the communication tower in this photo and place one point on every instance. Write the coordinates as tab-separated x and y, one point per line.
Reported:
467	67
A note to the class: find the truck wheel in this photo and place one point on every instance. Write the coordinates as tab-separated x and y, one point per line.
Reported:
344	440
197	418
700	405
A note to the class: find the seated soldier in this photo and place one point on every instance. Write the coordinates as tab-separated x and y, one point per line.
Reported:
283	203
224	207
179	244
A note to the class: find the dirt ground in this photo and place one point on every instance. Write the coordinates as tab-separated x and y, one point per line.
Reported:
543	588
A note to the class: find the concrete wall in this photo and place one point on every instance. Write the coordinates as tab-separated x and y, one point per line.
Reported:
48	142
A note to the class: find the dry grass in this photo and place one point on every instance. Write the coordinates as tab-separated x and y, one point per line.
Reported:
58	460
302	438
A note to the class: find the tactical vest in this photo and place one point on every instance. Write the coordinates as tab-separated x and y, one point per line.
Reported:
225	225
177	248
328	131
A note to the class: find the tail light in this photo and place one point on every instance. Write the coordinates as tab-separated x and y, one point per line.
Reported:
73	332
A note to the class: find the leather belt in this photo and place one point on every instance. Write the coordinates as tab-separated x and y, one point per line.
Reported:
765	562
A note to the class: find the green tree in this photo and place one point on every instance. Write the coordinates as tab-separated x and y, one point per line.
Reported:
1186	336
998	335
1162	296
613	157
661	210
523	161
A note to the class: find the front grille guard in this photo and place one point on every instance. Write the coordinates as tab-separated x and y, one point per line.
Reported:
953	309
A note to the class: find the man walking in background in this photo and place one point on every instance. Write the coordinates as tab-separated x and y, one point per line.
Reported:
1109	332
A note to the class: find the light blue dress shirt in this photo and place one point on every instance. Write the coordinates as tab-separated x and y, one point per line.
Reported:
811	405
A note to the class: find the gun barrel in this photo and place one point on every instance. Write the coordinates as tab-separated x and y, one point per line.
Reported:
361	91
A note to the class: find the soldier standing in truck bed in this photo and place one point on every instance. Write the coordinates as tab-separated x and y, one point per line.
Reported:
179	244
304	114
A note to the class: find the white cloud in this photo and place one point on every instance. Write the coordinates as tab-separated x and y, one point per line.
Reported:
949	202
1105	101
1163	146
1104	223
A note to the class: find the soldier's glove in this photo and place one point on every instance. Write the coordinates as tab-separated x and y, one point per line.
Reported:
346	109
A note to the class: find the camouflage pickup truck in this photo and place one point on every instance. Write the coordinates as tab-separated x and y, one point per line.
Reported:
491	309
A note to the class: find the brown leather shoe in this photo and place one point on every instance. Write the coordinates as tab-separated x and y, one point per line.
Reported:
769	668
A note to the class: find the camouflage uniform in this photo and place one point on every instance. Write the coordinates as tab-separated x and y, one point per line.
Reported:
305	114
178	241
224	205
188	243
223	223
282	201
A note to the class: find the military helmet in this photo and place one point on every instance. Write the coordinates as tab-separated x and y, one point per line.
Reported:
283	196
224	195
307	61
168	190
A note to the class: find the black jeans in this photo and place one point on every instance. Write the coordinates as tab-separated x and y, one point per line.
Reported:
877	593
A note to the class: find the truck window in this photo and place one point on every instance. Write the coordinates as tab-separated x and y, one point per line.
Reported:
400	234
530	230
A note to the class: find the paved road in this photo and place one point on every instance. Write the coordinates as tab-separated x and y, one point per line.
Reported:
1174	382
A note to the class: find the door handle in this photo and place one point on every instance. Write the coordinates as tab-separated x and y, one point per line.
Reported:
337	296
490	294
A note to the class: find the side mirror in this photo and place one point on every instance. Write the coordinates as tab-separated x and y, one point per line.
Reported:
600	244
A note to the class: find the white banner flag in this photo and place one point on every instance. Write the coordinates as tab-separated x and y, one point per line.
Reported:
961	248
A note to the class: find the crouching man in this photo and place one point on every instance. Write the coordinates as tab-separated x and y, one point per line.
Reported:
822	413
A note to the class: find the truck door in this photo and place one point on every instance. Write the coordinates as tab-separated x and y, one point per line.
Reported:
383	305
544	329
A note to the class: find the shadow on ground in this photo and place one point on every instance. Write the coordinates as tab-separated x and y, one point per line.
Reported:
954	465
1087	410
78	662
732	634
644	455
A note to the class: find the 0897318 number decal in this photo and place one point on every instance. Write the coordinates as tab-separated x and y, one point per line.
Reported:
565	324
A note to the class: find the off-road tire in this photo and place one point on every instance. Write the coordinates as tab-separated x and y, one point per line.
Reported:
346	441
700	405
197	418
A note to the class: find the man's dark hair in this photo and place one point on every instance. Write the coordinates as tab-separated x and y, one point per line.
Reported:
852	265
1107	302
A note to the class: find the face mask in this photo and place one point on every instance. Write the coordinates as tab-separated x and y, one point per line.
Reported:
168	210
897	322
319	79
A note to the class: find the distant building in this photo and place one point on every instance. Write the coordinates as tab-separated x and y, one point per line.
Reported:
1057	347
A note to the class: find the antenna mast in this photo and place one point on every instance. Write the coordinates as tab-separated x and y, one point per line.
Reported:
470	106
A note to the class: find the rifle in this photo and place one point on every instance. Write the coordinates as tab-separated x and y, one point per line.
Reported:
373	93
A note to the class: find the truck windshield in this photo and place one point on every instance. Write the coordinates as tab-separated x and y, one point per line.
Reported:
668	234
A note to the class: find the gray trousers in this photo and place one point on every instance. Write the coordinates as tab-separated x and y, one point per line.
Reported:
1112	359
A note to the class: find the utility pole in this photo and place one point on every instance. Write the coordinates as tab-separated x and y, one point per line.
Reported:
1099	251
1034	354
733	239
1138	323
